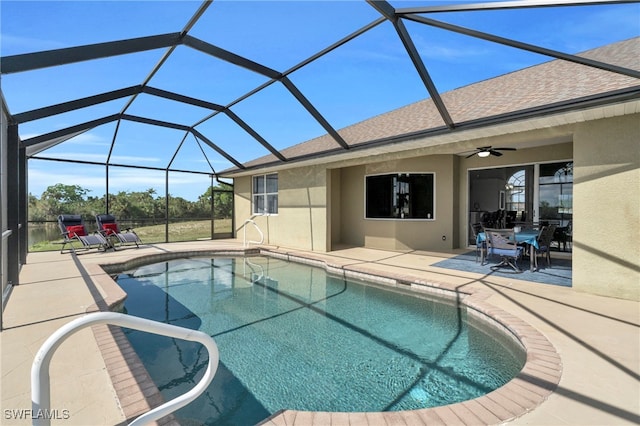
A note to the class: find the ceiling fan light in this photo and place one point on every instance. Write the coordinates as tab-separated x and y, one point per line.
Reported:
483	154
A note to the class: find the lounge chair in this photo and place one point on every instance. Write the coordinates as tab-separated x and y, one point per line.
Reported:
108	226
502	242
75	232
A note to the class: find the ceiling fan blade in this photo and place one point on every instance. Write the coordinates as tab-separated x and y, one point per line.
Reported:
496	153
471	155
505	149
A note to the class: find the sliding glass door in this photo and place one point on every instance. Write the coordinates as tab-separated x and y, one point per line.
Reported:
555	186
505	196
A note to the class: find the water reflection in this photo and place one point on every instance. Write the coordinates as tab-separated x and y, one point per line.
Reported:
291	336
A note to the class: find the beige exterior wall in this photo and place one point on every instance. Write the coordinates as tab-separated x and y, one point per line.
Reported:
436	234
606	235
302	217
322	207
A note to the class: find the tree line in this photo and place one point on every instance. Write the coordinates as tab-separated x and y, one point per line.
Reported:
138	206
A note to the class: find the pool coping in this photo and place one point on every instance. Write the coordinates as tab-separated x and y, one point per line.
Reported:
536	381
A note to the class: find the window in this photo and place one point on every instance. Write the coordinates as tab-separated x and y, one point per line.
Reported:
556	192
265	194
400	196
516	190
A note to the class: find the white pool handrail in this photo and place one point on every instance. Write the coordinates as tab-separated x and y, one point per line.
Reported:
245	242
40	389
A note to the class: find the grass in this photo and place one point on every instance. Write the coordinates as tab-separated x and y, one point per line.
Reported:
183	231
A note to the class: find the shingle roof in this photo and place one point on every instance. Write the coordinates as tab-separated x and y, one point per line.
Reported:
537	86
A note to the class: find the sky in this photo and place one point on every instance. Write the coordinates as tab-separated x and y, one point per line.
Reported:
367	76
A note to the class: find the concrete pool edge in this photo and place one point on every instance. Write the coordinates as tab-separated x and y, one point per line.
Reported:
530	388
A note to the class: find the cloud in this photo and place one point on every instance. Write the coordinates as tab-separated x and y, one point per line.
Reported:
88	139
449	50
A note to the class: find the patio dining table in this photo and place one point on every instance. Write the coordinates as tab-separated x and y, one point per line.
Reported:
526	236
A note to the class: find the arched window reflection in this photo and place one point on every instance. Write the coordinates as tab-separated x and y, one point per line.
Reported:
516	190
564	173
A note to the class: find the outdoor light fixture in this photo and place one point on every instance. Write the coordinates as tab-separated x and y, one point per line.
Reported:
483	154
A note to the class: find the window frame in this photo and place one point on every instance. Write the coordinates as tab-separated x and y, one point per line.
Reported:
398	174
266	195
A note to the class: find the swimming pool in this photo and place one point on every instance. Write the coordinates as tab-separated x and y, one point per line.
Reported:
292	336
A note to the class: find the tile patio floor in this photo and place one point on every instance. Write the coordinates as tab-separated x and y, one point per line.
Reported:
597	340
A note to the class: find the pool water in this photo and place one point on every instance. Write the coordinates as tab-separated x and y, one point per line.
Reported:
292	336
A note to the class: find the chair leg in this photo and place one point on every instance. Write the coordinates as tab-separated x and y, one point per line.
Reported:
507	262
514	265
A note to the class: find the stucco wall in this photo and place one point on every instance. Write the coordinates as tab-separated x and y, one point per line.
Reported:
302	216
320	208
606	234
400	234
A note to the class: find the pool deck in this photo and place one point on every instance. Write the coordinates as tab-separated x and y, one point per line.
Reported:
589	345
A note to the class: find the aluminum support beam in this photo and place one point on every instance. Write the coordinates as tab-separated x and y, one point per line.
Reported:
501	5
97	163
389	12
217	149
79	128
232	58
185	128
14	198
182	98
50	58
254	134
63	107
23	211
525	46
267	72
95	123
215	107
154	122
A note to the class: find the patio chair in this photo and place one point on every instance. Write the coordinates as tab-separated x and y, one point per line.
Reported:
502	242
108	226
481	248
562	236
74	232
545	237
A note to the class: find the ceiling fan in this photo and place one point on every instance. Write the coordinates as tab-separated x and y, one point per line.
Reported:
485	151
